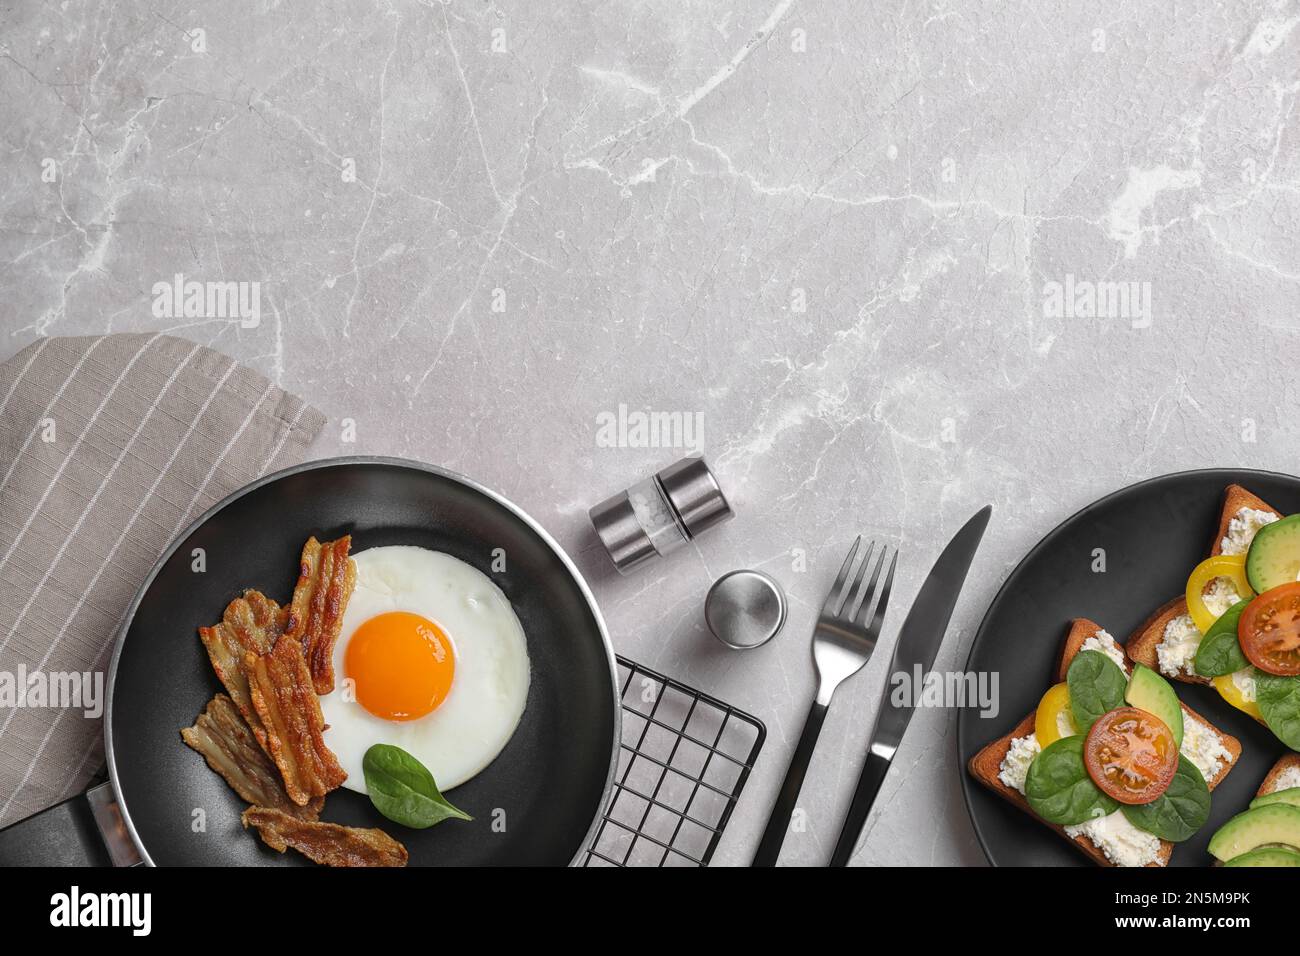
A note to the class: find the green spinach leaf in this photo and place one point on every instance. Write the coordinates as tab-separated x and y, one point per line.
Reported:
1180	811
1096	686
1279	702
1058	787
1220	652
402	789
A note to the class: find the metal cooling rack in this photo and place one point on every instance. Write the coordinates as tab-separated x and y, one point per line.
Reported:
684	760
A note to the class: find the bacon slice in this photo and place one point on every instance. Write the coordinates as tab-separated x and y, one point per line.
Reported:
286	703
251	623
326	576
326	843
230	749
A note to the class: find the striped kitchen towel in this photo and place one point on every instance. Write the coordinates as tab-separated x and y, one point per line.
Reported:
109	447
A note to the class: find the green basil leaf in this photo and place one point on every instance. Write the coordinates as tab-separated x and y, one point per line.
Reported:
402	789
1058	787
1096	685
1219	652
1180	811
1279	702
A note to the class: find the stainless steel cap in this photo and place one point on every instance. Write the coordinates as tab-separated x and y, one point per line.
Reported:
745	609
695	495
621	533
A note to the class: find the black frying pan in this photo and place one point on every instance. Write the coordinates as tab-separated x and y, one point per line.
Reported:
1153	534
546	789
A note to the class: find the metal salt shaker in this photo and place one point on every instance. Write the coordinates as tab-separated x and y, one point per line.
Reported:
660	514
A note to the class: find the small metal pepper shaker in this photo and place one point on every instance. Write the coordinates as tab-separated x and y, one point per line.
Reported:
660	514
745	609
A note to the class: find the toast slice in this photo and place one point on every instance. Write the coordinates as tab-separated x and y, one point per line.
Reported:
1080	630
1142	644
1279	777
986	765
1235	500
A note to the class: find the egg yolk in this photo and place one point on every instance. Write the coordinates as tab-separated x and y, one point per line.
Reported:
401	664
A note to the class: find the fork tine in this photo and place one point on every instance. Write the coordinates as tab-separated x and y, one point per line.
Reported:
866	589
835	599
854	584
873	630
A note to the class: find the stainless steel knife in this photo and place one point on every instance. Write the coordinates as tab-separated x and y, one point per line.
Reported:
918	644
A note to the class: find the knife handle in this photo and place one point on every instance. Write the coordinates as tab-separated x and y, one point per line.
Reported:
769	848
873	775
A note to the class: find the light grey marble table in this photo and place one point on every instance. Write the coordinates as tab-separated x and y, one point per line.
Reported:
859	240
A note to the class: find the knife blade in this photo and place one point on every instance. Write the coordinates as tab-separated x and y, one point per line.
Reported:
917	646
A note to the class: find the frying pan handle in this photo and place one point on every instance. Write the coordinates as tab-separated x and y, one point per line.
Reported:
87	830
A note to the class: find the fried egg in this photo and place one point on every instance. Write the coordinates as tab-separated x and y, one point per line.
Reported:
430	658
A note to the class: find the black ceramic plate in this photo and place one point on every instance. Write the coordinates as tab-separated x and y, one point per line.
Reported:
1153	534
535	804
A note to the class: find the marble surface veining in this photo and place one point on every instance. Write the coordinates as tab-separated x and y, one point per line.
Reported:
900	259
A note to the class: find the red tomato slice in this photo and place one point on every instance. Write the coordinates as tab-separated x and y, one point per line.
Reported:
1269	631
1131	755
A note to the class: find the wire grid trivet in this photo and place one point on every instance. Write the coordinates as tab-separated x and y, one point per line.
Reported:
684	760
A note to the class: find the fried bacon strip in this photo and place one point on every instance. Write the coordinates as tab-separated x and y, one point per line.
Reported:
286	703
326	576
251	623
326	843
225	742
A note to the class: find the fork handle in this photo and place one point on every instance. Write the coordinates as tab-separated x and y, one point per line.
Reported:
769	848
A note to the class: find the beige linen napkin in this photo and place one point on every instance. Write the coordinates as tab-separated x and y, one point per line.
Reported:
109	447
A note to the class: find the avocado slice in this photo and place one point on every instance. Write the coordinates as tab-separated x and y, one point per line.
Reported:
1291	796
1274	555
1148	691
1275	823
1267	856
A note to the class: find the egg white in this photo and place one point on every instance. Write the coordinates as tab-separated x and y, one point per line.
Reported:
489	690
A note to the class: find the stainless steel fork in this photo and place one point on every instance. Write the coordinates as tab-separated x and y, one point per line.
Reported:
842	643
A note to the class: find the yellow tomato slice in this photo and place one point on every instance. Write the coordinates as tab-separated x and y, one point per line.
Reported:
1232	694
1230	566
1053	711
